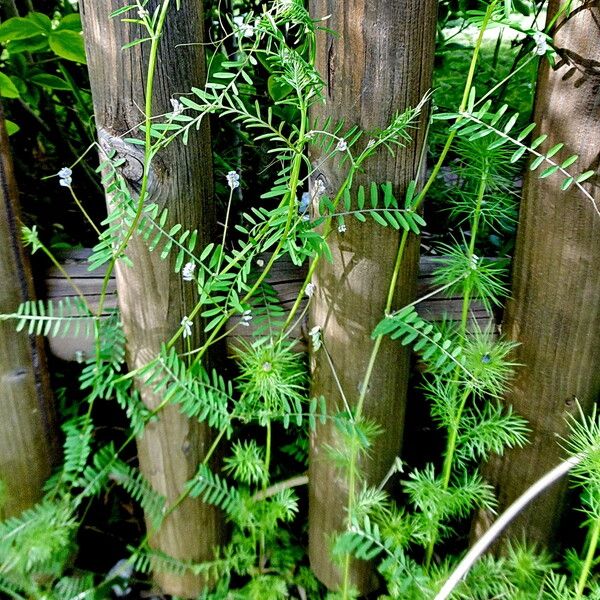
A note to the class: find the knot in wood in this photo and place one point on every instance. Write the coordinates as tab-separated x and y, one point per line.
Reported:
132	169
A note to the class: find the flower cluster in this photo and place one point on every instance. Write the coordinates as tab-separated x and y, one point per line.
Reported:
186	323
246	318
187	274
315	337
178	108
541	43
65	177
233	180
309	290
342	145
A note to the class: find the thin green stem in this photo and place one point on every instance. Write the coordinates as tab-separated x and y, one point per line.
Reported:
268	452
466	305
84	212
148	151
589	559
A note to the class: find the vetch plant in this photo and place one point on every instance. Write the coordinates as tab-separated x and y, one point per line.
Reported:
260	406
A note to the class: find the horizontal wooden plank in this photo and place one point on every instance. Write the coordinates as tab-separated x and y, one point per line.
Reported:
285	277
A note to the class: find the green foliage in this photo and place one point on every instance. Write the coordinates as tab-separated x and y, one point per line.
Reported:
272	382
261	83
69	316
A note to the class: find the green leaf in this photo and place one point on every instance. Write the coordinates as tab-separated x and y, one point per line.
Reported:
379	219
7	87
71	22
526	132
471	101
361	197
537	162
549	171
68	44
278	89
41	20
410	192
584	176
569	161
539	140
34	44
19	28
50	81
499	114
566	184
554	150
11	128
517	154
511	123
374	194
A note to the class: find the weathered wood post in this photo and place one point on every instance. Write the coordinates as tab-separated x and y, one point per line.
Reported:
554	312
28	441
379	62
152	299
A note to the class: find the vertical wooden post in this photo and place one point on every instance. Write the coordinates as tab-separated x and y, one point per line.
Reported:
379	62
28	443
152	299
554	312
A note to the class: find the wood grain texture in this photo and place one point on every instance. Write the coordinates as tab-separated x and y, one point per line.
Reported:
378	63
152	299
28	442
554	312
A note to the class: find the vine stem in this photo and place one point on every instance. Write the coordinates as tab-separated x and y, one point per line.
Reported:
84	212
589	558
148	153
466	304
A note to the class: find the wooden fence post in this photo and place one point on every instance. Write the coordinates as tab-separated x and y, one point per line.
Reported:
152	299
28	442
554	312
378	62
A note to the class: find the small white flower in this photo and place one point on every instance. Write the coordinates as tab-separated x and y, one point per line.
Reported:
260	262
309	290
233	180
178	108
186	323
121	572
65	177
245	29
474	262
246	318
541	43
315	337
143	13
267	367
370	144
188	271
342	228
319	188
342	145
